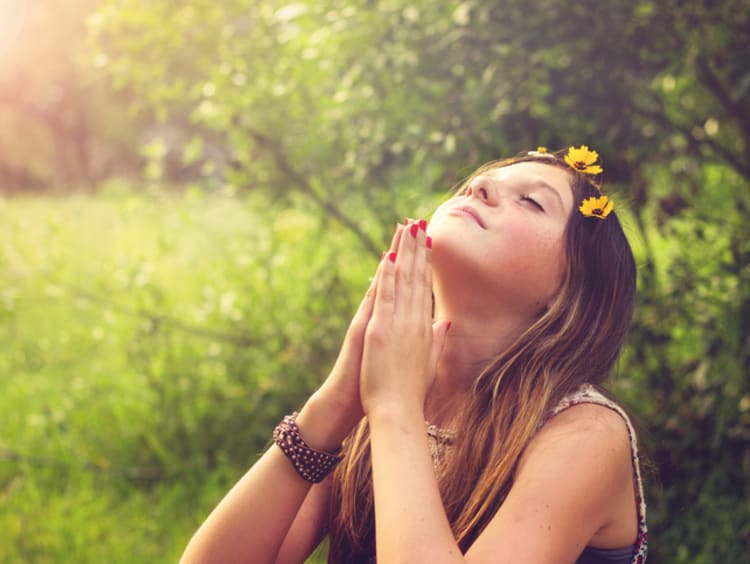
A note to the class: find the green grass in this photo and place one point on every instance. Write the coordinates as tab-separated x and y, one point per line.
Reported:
147	340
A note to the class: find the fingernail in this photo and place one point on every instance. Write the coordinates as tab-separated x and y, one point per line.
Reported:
392	256
428	242
382	256
423	225
413	230
448	326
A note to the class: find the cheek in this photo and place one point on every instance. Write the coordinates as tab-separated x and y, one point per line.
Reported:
536	263
547	266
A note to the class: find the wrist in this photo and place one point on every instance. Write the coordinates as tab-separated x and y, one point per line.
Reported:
324	422
396	416
311	465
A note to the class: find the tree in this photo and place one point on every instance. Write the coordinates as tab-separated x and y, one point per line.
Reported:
352	103
59	123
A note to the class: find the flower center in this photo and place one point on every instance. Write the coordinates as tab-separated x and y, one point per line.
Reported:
597	211
580	165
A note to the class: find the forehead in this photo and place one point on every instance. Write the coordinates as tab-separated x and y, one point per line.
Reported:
536	175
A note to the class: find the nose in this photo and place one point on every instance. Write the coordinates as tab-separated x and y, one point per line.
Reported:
483	188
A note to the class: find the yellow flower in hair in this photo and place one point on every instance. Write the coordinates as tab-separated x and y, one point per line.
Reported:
582	160
597	207
542	150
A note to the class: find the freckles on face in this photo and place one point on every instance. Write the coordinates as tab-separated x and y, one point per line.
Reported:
506	236
525	261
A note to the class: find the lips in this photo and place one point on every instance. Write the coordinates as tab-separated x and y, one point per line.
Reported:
471	212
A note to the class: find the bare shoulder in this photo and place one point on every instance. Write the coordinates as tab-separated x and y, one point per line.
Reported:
592	420
583	435
569	490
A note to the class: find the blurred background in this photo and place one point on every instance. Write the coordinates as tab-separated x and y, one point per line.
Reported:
193	196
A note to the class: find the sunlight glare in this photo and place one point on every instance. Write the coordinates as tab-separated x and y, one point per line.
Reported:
12	18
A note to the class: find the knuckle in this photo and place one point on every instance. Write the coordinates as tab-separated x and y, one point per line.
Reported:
358	322
375	333
386	295
405	277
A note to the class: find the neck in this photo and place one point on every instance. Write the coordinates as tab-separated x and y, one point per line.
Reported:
477	335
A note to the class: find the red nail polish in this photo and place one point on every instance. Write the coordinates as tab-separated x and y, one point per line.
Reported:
449	326
392	257
428	242
423	225
413	230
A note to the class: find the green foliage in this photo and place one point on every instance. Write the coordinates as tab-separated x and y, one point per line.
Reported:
153	338
687	366
151	343
355	93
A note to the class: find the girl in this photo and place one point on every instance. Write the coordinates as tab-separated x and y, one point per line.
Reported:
465	395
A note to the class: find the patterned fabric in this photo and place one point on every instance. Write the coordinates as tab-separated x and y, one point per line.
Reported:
312	465
439	440
588	394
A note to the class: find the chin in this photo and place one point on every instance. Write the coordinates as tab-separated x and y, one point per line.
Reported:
452	259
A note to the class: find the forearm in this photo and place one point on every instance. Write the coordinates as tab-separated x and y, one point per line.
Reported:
250	523
410	521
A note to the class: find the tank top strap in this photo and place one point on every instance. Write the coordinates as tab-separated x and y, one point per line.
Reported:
589	394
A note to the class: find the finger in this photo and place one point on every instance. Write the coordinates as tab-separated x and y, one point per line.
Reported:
385	290
405	263
396	237
427	298
364	311
419	290
420	270
373	287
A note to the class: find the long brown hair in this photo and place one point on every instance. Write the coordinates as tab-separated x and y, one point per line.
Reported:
576	340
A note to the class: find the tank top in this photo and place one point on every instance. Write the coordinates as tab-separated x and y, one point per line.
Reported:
635	554
440	441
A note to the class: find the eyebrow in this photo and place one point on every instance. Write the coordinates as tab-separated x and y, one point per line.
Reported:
535	183
546	186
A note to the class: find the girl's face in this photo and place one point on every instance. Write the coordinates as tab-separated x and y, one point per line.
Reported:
503	239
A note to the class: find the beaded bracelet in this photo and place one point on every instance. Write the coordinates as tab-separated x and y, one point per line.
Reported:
312	465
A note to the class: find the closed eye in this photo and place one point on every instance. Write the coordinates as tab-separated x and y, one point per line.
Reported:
533	202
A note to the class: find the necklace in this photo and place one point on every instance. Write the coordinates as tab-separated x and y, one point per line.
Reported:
438	440
440	435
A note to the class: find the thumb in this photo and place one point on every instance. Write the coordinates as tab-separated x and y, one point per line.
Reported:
439	331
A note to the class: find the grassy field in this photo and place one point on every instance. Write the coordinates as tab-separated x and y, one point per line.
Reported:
151	341
144	340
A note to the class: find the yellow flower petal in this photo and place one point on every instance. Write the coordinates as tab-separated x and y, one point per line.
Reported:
582	160
596	207
588	156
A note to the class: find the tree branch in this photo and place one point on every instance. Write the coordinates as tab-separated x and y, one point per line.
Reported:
734	109
714	84
724	153
304	185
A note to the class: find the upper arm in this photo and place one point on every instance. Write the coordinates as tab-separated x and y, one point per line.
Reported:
562	491
308	527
